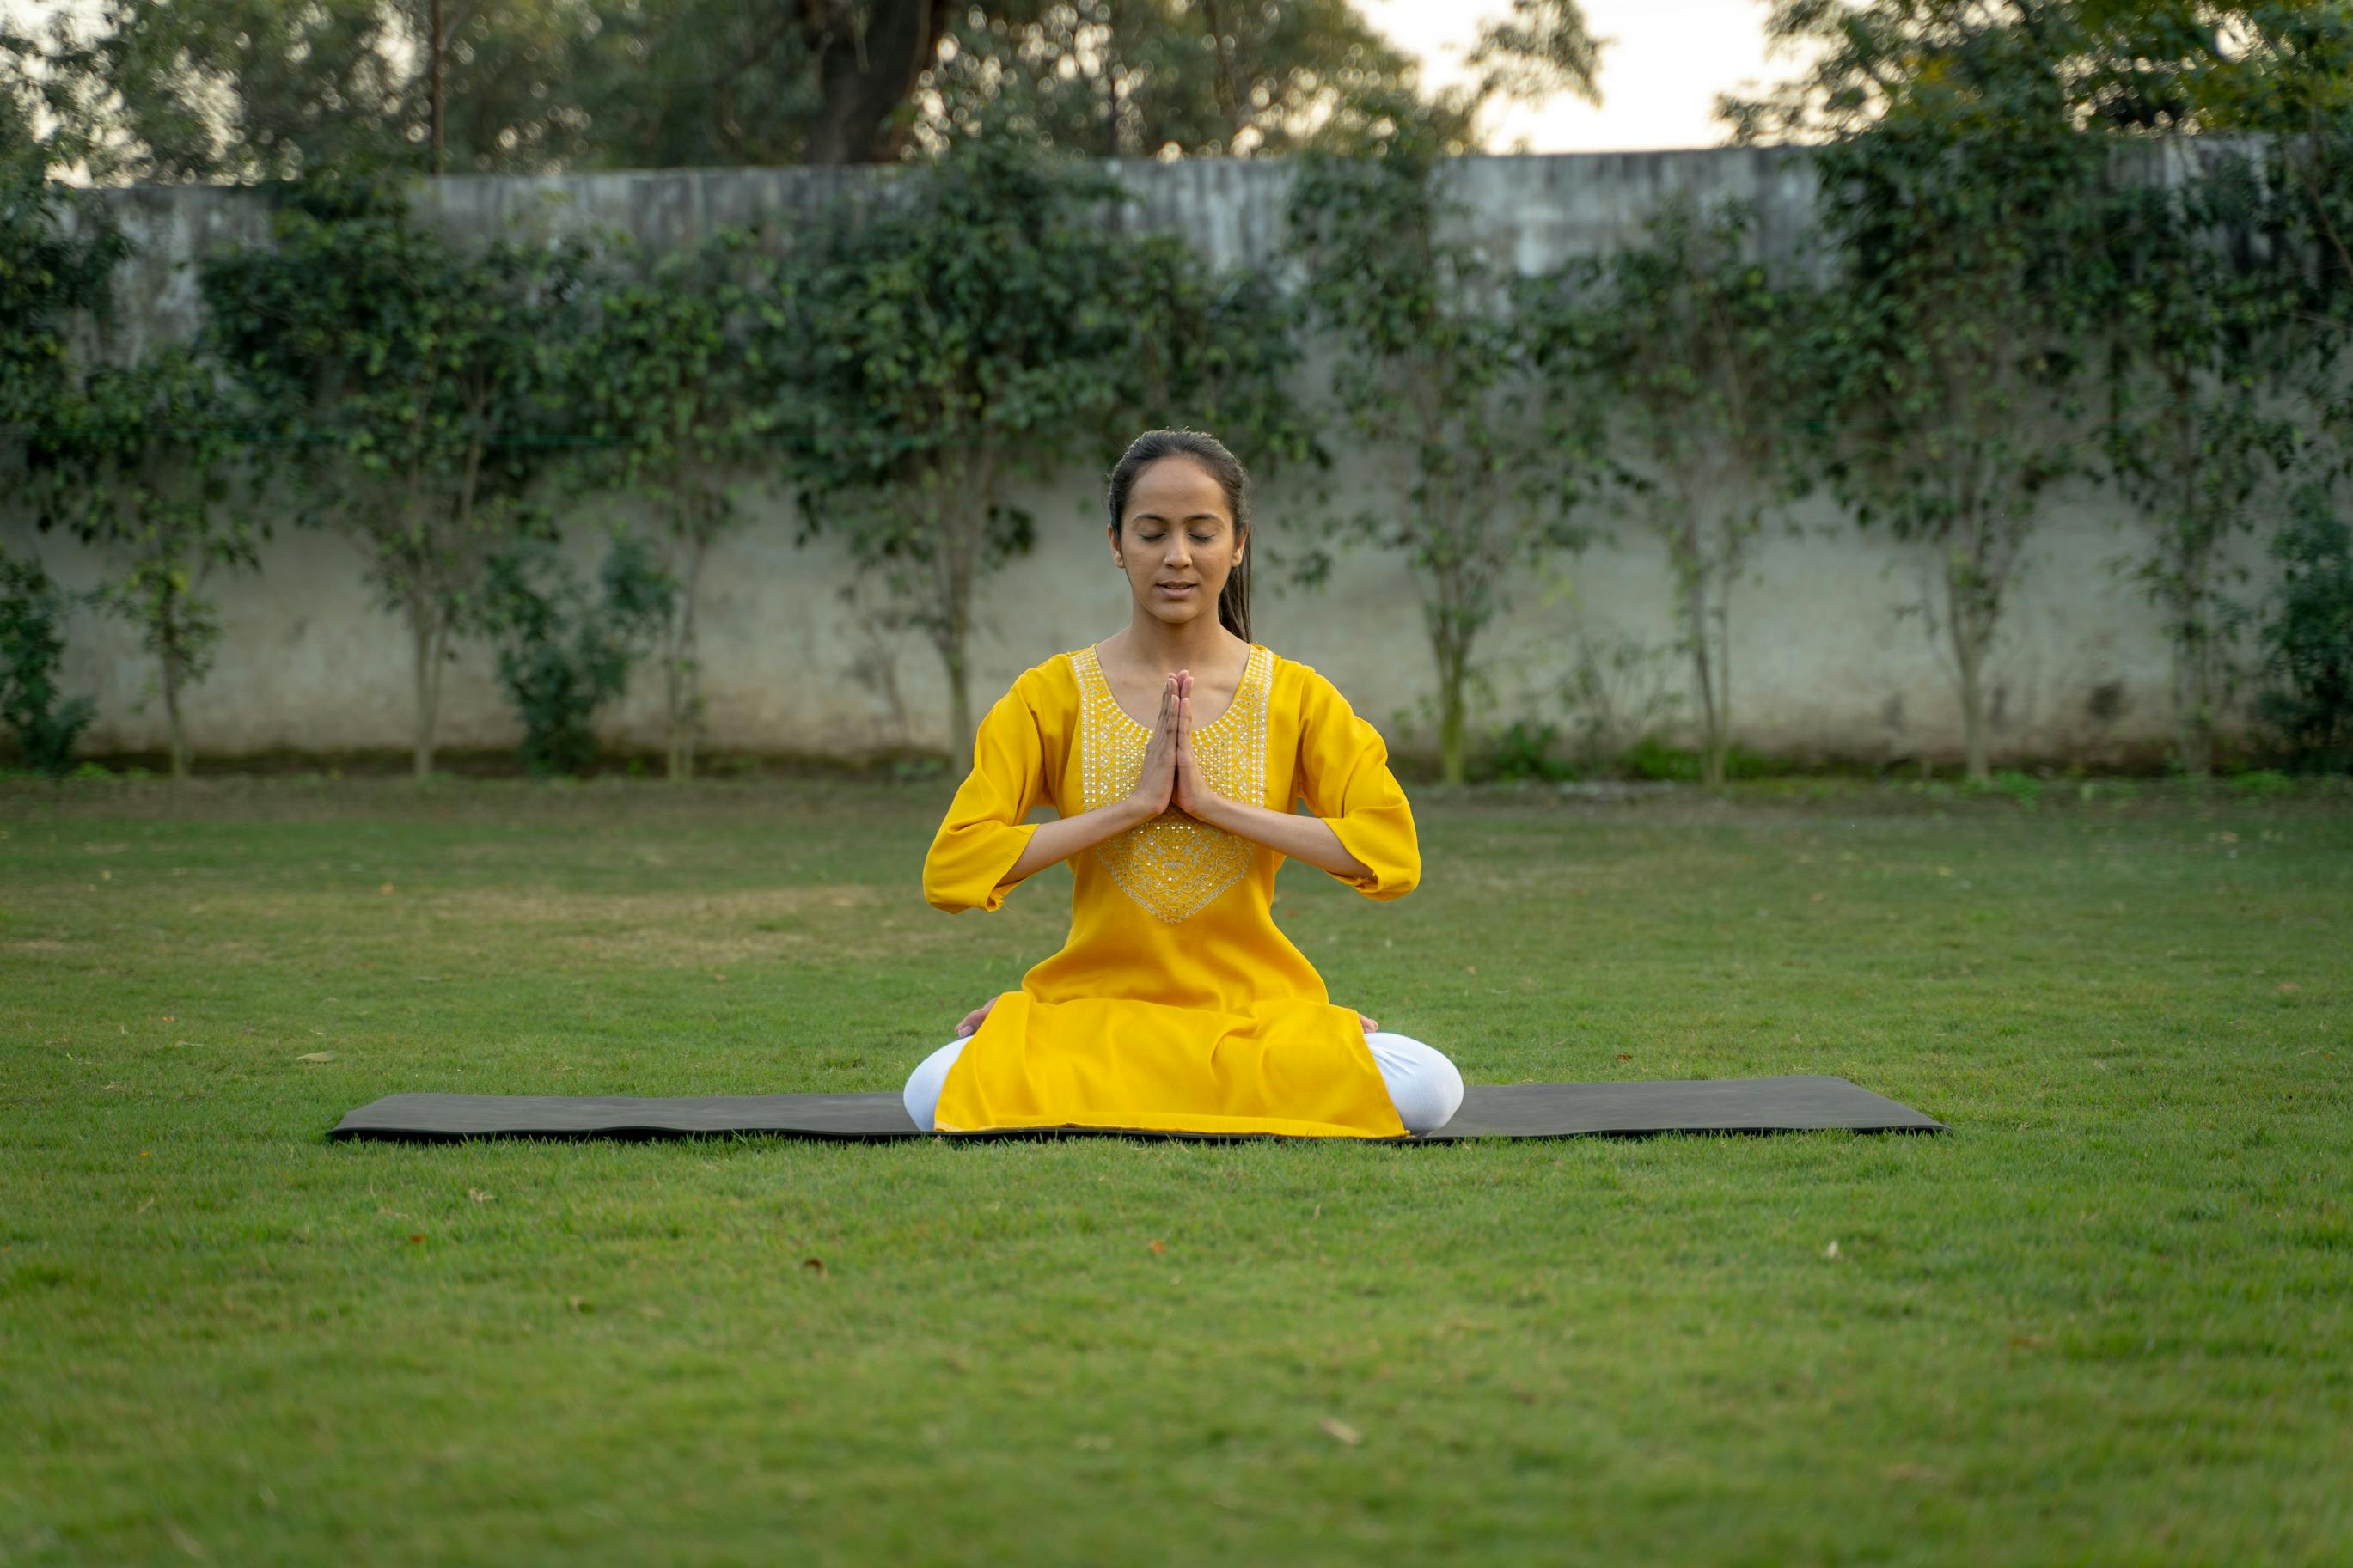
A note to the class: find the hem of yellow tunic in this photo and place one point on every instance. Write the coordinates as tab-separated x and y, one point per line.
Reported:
1149	1122
1373	1117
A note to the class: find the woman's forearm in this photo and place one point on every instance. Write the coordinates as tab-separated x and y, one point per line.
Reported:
1299	838
1066	835
1308	839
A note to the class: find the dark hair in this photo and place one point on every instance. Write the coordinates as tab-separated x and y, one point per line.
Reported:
1233	599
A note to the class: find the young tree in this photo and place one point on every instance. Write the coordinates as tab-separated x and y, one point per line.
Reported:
1430	374
406	370
978	324
1959	198
2194	430
940	342
660	383
1685	345
155	457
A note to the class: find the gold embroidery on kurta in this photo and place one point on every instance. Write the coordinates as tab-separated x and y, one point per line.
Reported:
1174	864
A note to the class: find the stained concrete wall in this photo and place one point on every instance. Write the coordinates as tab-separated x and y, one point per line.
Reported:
1822	666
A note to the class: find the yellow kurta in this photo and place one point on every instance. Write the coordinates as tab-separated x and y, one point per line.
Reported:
1176	1003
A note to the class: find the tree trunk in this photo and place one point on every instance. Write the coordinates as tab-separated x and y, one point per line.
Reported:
1692	565
1450	730
960	720
1719	745
168	639
172	713
1968	655
424	642
862	81
1451	644
2193	656
684	686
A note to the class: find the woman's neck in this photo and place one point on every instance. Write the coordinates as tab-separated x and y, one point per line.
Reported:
1195	645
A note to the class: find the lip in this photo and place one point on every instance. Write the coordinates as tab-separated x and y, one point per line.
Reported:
1173	590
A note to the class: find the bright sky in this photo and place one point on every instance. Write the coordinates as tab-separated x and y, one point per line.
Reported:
1659	79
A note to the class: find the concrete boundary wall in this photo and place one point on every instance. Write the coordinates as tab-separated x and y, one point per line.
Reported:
1822	666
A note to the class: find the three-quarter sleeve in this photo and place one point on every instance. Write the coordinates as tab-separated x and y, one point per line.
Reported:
984	832
1344	775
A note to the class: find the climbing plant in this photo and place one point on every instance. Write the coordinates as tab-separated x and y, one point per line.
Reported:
979	322
161	488
666	400
565	651
44	722
2194	431
1684	345
403	367
1429	373
50	280
1959	207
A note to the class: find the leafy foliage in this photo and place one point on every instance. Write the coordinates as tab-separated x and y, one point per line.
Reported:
2195	340
1959	200
153	452
1681	347
979	323
33	610
670	404
562	652
406	371
256	90
1430	376
2308	640
49	280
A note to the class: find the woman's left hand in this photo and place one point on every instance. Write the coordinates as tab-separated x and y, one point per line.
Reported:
1369	1024
1192	793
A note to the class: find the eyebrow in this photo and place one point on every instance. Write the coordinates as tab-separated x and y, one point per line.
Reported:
1197	516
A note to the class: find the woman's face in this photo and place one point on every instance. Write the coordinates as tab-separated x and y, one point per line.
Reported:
1178	531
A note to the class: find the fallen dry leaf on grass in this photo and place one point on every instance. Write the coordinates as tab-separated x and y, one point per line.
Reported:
1339	1431
316	1057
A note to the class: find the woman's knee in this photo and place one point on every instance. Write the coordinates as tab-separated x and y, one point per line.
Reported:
1423	1082
922	1095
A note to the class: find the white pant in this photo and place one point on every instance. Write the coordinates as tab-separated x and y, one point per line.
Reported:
1422	1084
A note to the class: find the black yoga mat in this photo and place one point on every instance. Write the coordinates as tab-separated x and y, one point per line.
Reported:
1489	1111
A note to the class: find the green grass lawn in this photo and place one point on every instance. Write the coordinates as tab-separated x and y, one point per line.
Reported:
2104	1320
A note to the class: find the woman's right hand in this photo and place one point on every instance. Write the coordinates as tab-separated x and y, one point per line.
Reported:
971	1025
1156	783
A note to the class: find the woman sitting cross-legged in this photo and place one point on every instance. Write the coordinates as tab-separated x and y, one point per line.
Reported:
1176	1003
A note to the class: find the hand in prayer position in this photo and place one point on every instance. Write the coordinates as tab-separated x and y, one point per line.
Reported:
1169	776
